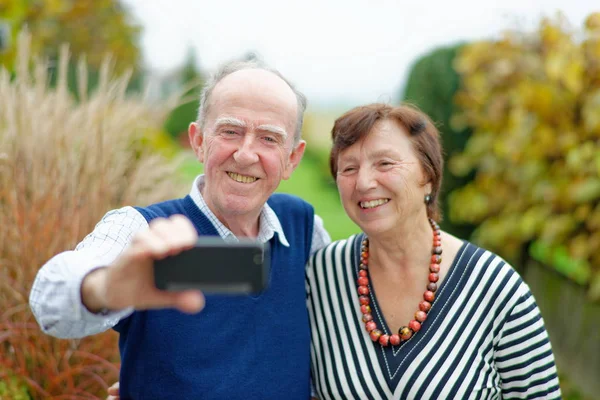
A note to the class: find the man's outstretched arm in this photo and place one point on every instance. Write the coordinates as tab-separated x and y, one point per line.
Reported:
110	271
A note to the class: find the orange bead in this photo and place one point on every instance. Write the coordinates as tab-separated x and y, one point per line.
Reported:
424	306
375	334
362	281
420	316
405	333
414	325
370	326
384	340
429	296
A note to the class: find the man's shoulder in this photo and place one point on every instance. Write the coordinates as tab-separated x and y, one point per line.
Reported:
288	200
163	209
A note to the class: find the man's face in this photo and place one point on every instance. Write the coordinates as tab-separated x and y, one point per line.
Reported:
247	144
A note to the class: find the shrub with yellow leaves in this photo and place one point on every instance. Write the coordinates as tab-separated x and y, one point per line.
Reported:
533	101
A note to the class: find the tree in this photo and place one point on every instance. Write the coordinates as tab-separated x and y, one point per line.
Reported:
190	79
533	101
94	28
431	85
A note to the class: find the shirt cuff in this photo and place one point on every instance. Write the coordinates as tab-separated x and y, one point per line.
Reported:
86	265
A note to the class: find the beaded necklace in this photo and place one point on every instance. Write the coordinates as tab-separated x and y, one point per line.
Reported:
405	332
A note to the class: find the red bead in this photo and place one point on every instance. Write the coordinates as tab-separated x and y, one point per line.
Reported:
362	281
432	287
420	316
405	333
433	277
429	296
384	340
424	306
365	254
362	272
434	268
363	290
364	300
437	242
375	334
395	340
367	317
370	326
436	259
414	325
365	309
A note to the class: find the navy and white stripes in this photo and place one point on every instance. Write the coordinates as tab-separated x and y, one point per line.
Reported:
484	337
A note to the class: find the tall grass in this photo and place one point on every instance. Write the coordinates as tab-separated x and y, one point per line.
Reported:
63	164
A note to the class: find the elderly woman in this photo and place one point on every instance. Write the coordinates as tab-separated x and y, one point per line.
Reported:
405	310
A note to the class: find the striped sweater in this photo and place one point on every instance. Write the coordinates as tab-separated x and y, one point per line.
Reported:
484	337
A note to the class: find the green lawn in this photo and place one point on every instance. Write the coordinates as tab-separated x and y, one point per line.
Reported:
311	183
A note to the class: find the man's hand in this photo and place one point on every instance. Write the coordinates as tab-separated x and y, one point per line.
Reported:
129	281
113	392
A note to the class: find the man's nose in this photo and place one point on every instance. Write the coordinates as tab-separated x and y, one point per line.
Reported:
246	153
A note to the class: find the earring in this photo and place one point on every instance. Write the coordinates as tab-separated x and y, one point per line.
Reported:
427	198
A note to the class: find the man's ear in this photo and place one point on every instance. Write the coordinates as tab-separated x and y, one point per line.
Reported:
196	140
294	160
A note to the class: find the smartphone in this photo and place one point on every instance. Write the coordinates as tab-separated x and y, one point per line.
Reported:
216	267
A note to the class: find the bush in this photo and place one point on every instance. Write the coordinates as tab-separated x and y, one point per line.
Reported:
534	103
63	164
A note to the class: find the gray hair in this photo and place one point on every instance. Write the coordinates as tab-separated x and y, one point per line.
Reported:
234	66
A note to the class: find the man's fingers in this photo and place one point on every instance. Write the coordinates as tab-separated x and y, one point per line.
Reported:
186	233
177	232
191	301
114	389
148	243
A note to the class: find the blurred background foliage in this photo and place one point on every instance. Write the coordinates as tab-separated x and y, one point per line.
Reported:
431	86
533	104
94	28
519	119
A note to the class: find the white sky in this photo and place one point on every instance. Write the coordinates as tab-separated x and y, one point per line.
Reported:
338	52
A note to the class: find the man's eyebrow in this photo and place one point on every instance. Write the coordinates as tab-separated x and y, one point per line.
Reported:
277	130
229	121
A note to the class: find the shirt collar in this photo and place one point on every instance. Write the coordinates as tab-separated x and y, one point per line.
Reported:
268	223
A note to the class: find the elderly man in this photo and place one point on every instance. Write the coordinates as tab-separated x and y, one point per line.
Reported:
248	137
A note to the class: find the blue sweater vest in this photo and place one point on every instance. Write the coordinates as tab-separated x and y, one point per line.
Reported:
238	347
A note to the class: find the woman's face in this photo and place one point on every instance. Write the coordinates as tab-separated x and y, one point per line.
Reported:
381	183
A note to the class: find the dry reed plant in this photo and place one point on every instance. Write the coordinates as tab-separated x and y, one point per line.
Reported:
63	164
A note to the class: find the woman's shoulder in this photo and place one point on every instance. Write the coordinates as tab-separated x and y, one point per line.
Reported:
333	251
476	259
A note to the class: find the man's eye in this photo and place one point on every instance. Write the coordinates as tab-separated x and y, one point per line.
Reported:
230	132
269	139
